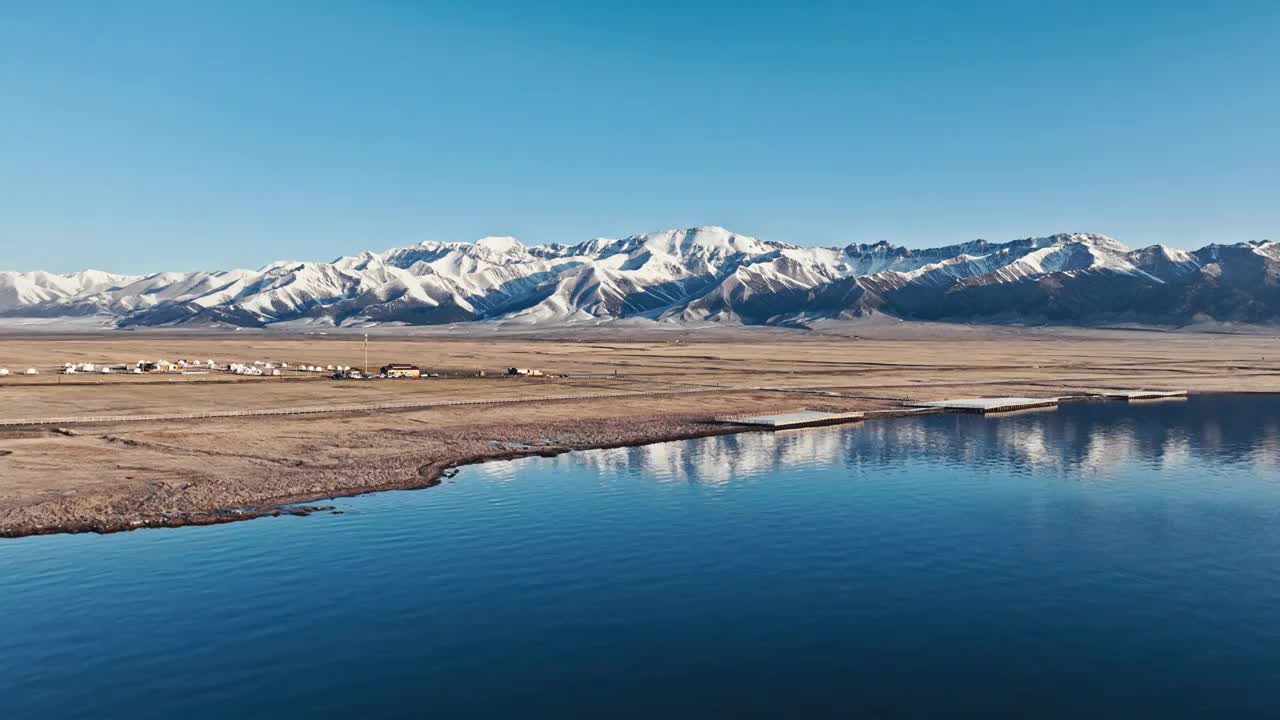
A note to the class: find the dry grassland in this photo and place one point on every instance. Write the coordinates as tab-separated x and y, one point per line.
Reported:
627	389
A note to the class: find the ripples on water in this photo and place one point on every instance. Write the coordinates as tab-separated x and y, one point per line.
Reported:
1094	559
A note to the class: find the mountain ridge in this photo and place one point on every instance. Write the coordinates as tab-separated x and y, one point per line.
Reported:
700	274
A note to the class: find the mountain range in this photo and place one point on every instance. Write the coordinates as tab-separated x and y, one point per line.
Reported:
685	276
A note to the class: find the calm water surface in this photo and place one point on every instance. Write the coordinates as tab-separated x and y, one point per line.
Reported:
1095	560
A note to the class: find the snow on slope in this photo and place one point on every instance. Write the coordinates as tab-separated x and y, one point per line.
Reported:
694	274
19	289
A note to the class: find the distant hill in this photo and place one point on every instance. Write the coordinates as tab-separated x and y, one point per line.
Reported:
695	275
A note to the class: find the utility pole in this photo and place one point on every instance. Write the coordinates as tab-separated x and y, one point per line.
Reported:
366	354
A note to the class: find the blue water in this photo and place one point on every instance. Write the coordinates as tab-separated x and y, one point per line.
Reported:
1096	560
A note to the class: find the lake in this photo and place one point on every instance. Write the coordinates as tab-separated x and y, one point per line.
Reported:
1108	558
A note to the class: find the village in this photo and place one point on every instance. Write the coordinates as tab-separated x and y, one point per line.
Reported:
195	369
271	367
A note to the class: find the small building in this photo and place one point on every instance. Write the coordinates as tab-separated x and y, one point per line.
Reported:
398	370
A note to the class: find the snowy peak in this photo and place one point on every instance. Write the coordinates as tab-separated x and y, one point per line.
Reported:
500	245
706	243
698	274
1094	240
23	289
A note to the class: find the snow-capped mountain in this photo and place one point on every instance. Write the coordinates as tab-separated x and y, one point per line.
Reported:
693	275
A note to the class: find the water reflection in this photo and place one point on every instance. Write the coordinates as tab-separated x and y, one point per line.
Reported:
1082	440
737	575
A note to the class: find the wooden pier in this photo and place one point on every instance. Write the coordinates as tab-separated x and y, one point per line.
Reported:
797	419
986	405
1129	395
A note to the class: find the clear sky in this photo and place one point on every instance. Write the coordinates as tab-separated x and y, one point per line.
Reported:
141	136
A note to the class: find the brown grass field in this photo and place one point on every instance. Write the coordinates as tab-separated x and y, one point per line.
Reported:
627	388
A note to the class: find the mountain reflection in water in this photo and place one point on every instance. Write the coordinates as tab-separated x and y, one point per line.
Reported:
1098	560
1077	439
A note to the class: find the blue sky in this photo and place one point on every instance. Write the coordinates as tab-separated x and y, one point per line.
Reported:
145	136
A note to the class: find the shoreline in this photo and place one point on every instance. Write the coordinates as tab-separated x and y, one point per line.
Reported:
432	473
171	454
425	477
